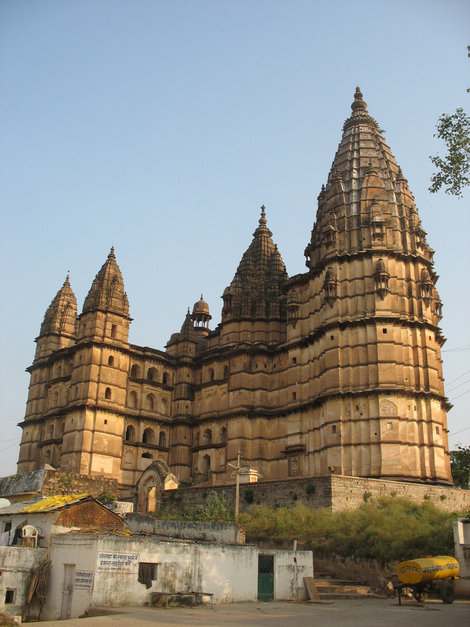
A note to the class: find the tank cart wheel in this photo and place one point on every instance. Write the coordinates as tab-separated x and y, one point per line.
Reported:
447	593
420	595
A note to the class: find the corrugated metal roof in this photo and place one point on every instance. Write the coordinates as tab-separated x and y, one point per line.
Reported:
53	502
43	505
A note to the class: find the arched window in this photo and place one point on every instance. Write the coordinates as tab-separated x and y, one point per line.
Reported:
150	402
223	435
50	432
113	331
151	375
135	371
110	360
146	456
47	456
162	438
107	394
132	402
130	433
166	378
205	464
148	436
207	437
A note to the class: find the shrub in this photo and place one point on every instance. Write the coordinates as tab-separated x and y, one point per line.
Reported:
215	510
386	530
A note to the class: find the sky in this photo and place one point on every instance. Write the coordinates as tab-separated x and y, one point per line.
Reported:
161	127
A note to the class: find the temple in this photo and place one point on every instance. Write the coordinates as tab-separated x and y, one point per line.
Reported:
336	370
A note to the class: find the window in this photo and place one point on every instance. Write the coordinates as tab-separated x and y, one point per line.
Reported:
206	463
294	396
113	330
151	375
223	435
150	402
110	360
107	394
130	433
166	378
333	429
135	371
10	595
148	572
132	399
294	360
7	526
207	437
148	436
162	438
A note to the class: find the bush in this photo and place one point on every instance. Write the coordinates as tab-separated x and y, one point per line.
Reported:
385	530
215	510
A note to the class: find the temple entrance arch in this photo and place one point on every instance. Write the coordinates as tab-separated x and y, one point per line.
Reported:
151	485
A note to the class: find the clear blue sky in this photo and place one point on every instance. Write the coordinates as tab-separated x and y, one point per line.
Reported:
161	127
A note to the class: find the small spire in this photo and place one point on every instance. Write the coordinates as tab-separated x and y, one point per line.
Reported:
262	220
358	101
111	253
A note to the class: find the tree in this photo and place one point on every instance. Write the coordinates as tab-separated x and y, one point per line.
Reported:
460	466
453	171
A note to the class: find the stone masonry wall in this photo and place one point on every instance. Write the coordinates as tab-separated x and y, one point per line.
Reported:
335	491
56	482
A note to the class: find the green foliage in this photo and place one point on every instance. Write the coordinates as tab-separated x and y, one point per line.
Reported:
386	530
367	496
460	466
215	510
107	497
310	488
453	171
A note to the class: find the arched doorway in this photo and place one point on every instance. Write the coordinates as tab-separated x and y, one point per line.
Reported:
151	485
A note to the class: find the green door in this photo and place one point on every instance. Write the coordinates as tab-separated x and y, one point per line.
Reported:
265	577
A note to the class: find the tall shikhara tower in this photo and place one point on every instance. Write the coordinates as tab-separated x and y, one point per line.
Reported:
368	312
334	371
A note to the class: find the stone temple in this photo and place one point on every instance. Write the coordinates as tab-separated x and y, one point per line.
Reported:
334	371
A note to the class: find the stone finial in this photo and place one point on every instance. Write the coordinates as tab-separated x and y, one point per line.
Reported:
262	220
358	103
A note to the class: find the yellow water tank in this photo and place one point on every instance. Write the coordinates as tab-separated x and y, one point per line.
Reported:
426	569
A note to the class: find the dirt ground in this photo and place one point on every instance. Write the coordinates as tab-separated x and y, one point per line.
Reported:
366	613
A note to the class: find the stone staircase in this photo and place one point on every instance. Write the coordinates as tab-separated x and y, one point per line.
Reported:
330	589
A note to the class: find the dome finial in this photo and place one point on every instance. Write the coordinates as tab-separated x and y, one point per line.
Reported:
262	220
359	103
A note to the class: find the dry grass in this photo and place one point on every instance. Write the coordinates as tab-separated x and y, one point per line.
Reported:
366	572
